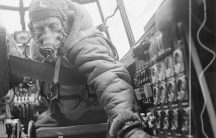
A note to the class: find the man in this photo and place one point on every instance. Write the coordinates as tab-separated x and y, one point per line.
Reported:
64	34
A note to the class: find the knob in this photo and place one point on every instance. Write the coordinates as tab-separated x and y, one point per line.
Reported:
156	95
174	120
160	45
161	71
169	66
171	91
181	89
148	93
162	93
154	73
185	120
166	120
151	120
158	119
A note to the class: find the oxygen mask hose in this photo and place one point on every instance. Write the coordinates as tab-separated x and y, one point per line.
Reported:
48	54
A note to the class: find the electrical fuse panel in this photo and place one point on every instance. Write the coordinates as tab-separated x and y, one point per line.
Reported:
160	86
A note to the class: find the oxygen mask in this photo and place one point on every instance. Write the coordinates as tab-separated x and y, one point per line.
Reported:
49	45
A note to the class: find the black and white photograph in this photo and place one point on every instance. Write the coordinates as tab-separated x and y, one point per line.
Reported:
107	69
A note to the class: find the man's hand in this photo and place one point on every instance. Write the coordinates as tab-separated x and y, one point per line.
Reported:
137	133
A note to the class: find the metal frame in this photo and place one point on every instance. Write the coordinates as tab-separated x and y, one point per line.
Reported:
102	16
126	23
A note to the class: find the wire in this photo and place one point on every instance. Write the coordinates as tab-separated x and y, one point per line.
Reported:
190	61
212	60
104	23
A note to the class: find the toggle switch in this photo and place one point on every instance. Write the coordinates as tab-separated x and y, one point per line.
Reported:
154	73
178	61
163	98
154	47
158	119
147	89
174	120
148	75
160	45
156	95
185	120
166	120
153	50
162	119
169	66
171	91
181	89
144	76
151	120
161	71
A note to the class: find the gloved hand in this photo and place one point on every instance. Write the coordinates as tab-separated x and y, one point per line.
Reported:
137	133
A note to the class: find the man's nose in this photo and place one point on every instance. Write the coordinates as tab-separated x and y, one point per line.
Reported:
47	29
47	36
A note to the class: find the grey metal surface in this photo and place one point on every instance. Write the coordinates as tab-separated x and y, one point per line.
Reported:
44	72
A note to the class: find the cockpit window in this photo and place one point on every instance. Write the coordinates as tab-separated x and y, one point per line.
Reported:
26	3
94	13
14	3
139	13
13	23
115	27
11	17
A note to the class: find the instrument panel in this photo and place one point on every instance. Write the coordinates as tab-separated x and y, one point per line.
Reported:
160	75
161	87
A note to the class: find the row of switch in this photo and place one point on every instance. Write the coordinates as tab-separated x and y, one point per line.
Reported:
157	47
144	95
142	76
161	70
166	68
170	91
32	99
169	121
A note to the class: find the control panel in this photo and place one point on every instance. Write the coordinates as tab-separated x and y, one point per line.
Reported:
160	73
161	85
173	73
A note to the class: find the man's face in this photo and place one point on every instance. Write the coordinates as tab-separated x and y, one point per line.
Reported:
48	32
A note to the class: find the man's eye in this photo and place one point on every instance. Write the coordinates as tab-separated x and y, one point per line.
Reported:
54	26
